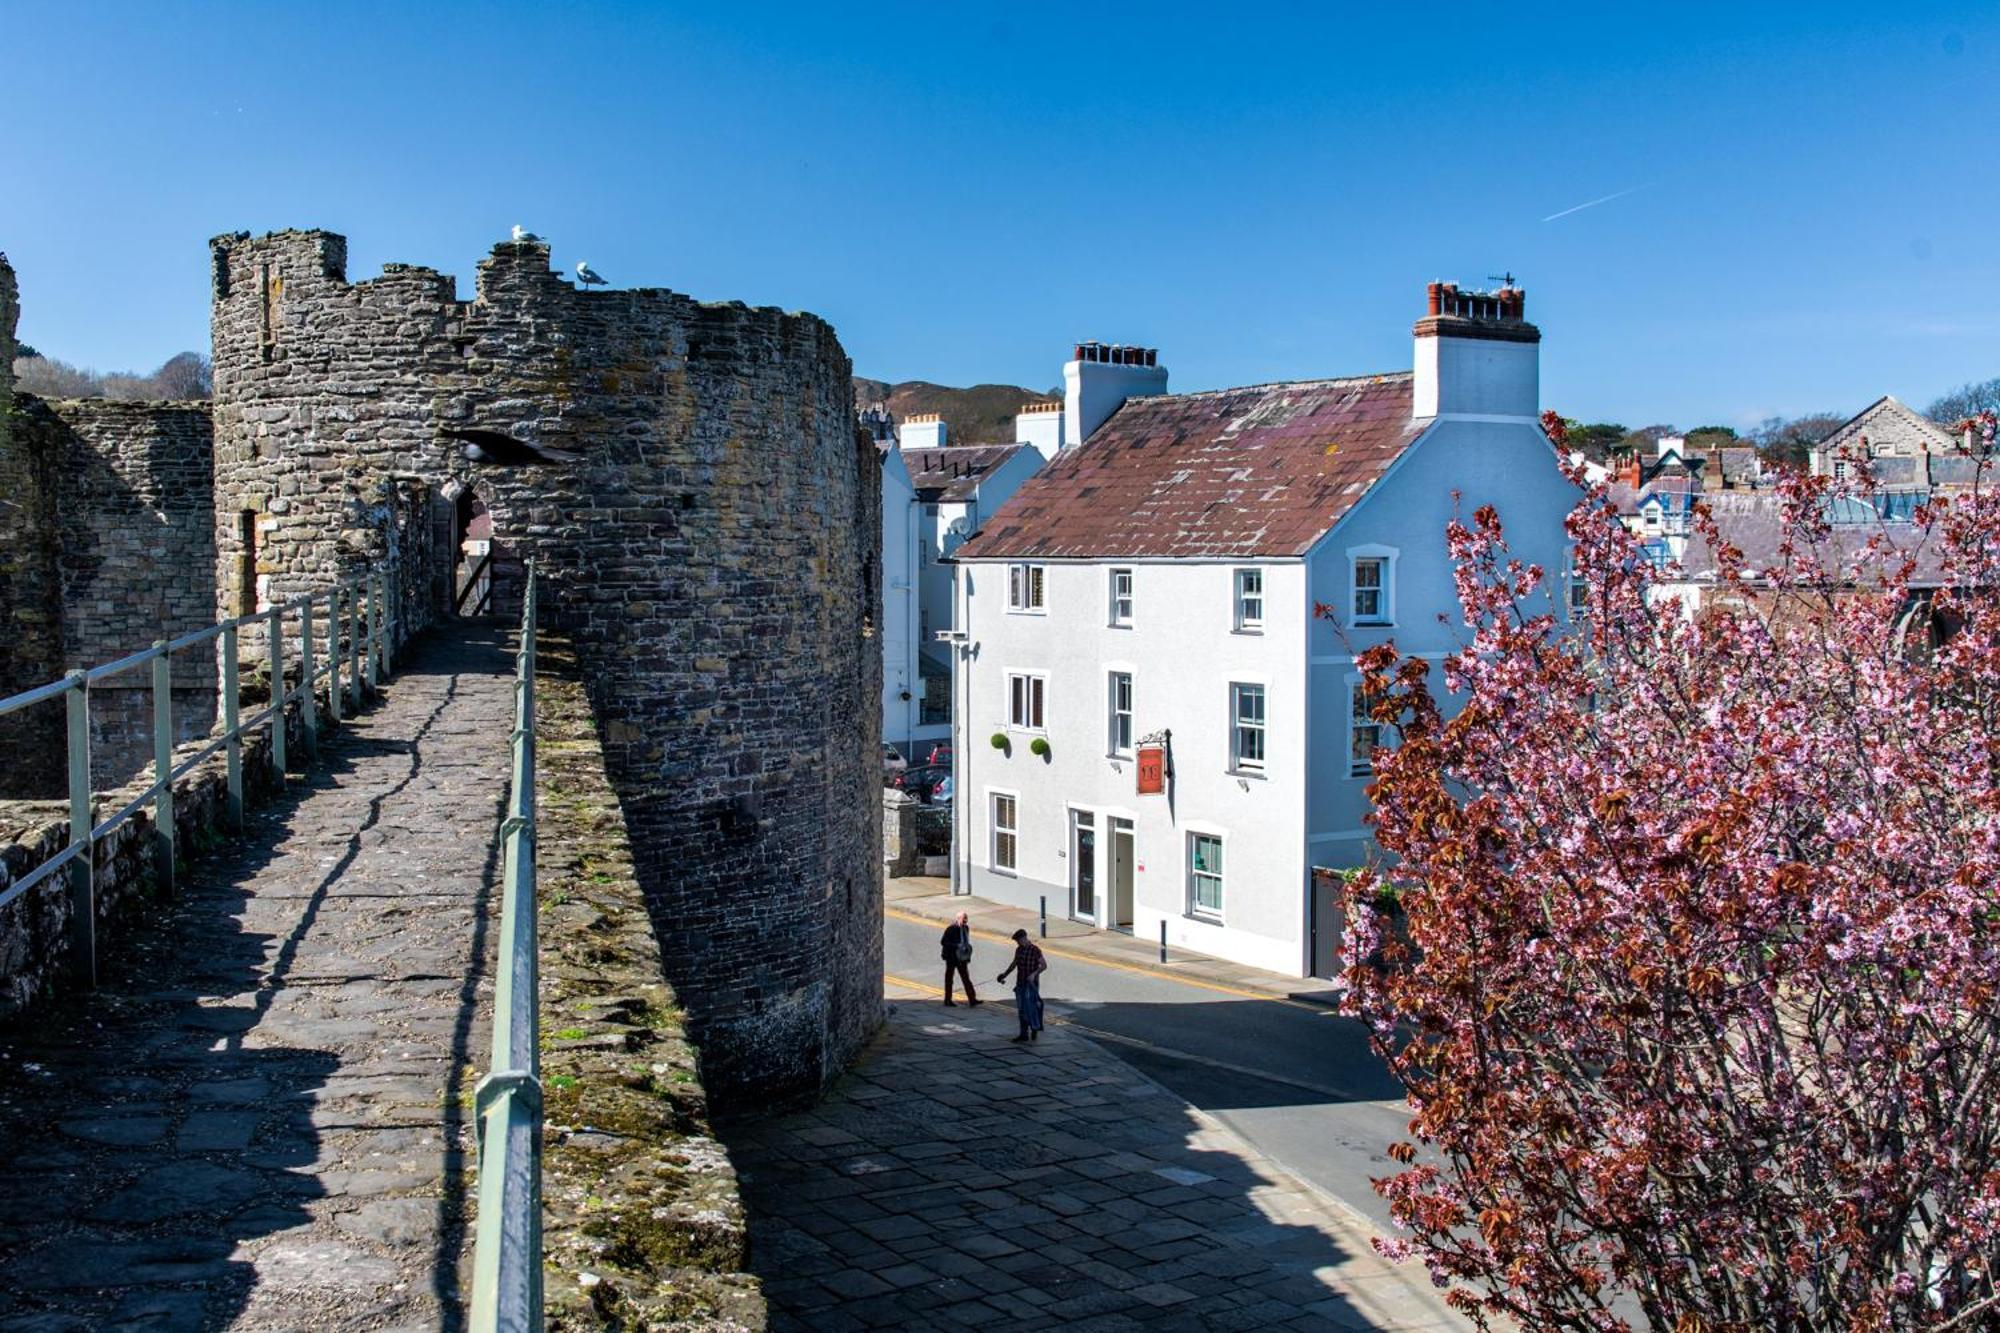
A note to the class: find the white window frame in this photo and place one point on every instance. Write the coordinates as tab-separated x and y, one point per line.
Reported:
995	830
1359	768
1121	606
1238	761
1248	624
1219	875
1033	716
1027	590
1385	596
1576	591
1114	714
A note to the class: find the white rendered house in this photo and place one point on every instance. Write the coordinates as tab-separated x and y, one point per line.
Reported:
1144	608
934	495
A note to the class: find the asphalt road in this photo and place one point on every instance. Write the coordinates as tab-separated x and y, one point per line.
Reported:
1295	1079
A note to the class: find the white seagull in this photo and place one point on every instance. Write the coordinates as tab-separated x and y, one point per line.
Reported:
586	275
523	234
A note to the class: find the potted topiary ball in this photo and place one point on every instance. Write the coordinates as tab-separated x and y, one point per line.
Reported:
1039	747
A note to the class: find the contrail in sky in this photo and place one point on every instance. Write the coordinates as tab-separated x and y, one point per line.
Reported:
1595	202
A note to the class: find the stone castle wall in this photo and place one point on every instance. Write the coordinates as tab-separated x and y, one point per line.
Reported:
31	755
704	534
136	531
107	543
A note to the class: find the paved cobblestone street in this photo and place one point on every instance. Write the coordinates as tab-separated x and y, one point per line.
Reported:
259	1121
955	1180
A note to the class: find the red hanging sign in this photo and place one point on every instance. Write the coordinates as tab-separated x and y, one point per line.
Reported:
1152	770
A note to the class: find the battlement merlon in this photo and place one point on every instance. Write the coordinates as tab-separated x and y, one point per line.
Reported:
301	260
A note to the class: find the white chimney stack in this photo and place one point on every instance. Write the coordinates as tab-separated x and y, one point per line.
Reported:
1098	378
922	430
1040	425
1477	356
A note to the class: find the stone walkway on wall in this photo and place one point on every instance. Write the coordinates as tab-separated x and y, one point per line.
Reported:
261	1120
955	1180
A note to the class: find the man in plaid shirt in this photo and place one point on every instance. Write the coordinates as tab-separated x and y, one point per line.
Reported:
1027	967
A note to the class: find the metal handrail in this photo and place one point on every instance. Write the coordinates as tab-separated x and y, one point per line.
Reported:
85	832
507	1107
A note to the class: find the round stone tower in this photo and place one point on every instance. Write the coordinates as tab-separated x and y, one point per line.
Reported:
690	482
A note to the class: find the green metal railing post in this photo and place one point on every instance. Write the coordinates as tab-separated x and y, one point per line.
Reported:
356	697
375	631
275	648
232	744
82	870
309	681
163	768
333	655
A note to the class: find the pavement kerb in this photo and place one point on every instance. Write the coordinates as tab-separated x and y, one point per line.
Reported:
905	910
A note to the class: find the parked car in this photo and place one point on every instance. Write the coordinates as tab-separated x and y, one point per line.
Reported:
892	762
941	794
940	754
920	781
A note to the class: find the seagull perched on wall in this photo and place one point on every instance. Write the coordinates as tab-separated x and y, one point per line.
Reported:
523	234
587	275
495	449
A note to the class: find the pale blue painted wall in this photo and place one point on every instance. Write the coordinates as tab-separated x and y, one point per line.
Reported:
1509	466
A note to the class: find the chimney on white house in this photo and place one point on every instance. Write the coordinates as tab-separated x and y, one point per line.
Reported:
1040	424
922	430
1671	444
1101	376
1477	356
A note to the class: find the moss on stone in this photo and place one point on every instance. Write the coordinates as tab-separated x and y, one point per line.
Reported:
644	1225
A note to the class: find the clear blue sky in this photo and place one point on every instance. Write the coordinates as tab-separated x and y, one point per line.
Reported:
965	189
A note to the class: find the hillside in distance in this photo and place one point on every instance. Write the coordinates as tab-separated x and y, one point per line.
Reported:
982	414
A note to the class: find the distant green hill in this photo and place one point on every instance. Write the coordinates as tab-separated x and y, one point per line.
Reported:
982	414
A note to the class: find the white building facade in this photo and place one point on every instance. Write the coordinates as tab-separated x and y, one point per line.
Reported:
934	495
1195	579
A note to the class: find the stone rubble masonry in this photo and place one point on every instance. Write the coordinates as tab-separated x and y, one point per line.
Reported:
710	549
107	544
135	532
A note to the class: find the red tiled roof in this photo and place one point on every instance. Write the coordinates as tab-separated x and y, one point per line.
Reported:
1258	471
950	475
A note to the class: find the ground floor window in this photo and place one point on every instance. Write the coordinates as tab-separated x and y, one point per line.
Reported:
1006	831
1205	874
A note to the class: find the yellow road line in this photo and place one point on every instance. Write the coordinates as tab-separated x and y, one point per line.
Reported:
905	982
1133	968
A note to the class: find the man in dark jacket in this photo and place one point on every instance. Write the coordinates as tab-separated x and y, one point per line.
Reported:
956	950
1027	967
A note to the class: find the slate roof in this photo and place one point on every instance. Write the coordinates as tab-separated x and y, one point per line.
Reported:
951	475
1753	522
1230	474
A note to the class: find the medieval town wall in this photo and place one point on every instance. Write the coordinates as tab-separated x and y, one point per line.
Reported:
106	545
703	515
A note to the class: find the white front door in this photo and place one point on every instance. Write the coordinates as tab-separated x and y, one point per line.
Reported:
1083	865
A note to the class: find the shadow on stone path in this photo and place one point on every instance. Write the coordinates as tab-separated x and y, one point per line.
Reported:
954	1180
259	1121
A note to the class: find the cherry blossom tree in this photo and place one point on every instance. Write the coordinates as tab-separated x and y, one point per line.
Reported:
1686	939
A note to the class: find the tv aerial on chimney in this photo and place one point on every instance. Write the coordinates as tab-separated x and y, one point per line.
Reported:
1505	279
